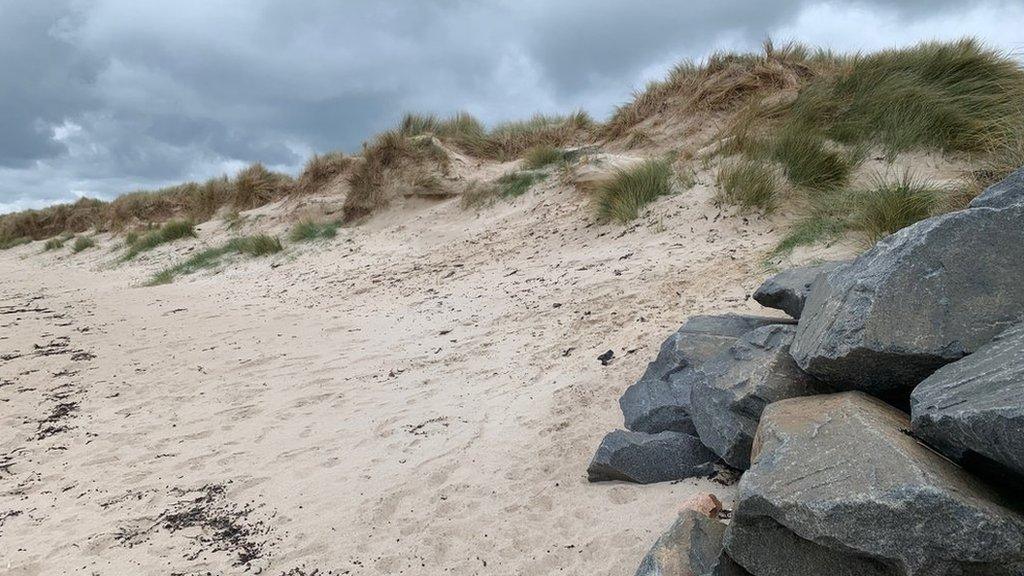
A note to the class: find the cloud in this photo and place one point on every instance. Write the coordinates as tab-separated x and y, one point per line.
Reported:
100	97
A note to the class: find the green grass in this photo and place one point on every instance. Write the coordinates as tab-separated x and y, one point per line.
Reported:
169	232
892	204
515	184
752	184
53	244
541	156
807	159
82	243
623	197
950	96
13	242
255	246
306	230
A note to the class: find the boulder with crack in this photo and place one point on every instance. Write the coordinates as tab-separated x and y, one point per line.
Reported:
921	298
973	410
731	390
837	487
660	400
648	458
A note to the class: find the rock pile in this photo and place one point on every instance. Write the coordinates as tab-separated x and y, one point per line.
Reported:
840	479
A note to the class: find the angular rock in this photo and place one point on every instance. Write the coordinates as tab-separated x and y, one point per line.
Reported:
921	298
788	290
1003	194
973	410
837	487
691	547
730	391
648	458
660	400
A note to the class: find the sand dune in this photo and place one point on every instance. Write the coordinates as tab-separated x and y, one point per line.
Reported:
420	395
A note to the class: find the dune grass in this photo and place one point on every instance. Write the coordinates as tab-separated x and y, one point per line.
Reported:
749	183
53	244
321	169
255	186
82	243
515	184
169	232
893	203
621	198
9	243
254	246
308	229
541	156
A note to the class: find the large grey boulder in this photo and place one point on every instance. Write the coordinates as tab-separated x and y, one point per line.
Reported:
973	410
691	547
1004	194
837	487
648	458
660	400
921	298
788	290
731	390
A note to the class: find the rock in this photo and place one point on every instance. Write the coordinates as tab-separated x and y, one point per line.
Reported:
660	400
837	487
648	458
921	298
706	504
788	290
973	410
731	390
1003	194
691	547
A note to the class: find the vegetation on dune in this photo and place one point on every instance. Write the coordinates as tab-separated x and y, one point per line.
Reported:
795	128
169	232
6	244
394	164
893	203
621	198
255	246
749	183
542	156
307	229
321	169
53	244
82	243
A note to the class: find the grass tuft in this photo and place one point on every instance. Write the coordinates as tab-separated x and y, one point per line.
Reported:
321	169
13	242
307	230
515	184
255	186
541	156
749	183
621	198
255	246
169	232
53	244
82	243
892	204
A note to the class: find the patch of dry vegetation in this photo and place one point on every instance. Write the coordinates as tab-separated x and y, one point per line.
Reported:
321	170
395	164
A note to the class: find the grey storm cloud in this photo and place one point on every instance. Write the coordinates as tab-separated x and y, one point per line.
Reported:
99	97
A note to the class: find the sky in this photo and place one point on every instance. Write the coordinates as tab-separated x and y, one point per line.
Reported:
103	97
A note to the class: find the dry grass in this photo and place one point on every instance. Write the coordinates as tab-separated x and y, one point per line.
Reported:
542	156
255	186
321	169
394	164
82	243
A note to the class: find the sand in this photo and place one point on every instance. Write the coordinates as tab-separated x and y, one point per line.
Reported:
420	395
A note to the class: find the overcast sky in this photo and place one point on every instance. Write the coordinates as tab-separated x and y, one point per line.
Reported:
101	97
